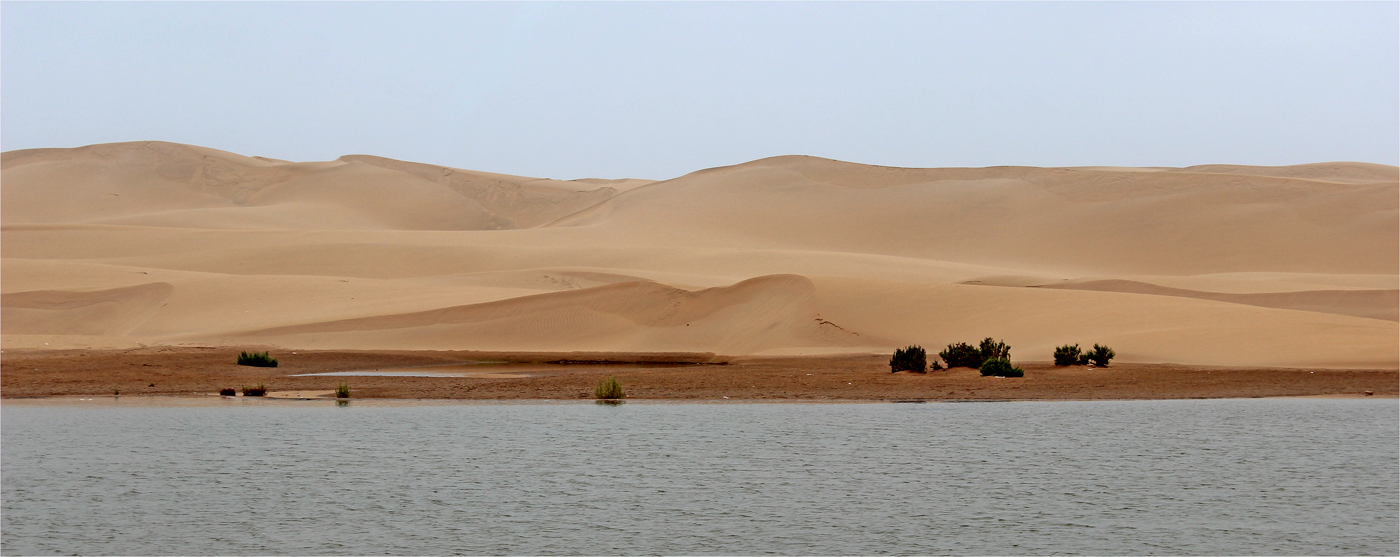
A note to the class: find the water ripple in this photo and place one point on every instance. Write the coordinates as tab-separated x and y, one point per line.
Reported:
1165	477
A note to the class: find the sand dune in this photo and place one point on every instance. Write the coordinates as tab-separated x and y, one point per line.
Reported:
161	243
1375	304
164	184
755	315
1062	221
66	312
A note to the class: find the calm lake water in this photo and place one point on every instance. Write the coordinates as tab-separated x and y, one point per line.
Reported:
1266	476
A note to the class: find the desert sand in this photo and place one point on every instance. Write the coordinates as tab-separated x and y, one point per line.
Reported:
151	244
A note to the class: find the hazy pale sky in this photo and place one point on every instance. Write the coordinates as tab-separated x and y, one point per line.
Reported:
657	90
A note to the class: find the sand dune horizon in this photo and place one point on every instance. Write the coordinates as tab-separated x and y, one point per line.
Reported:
154	243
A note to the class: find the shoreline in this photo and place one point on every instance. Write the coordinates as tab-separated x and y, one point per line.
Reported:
218	401
202	371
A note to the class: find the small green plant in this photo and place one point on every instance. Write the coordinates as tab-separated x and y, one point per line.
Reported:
342	390
1100	355
256	359
912	358
228	392
994	350
116	392
962	354
259	390
1070	355
609	389
1000	367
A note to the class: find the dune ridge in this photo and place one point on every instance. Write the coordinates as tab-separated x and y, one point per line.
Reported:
154	243
754	315
1375	304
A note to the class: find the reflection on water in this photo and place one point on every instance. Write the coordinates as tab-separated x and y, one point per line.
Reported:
303	477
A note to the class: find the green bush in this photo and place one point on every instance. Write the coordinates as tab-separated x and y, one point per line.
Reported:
962	354
259	390
912	358
256	359
608	389
342	390
227	392
1001	367
994	350
1070	355
1100	355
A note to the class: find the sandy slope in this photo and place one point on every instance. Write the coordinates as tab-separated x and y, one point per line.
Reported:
158	243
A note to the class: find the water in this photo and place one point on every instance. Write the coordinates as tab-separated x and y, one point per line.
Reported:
1300	476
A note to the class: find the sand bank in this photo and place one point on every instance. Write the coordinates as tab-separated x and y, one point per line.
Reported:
203	371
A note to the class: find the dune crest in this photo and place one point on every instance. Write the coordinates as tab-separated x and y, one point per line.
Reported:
165	184
162	243
751	316
112	312
527	202
1374	304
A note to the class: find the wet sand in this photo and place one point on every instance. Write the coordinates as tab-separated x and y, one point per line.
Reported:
674	376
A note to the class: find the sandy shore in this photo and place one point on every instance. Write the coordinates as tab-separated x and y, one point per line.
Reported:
676	376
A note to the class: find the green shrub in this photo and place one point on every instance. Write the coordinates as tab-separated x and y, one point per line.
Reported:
227	392
994	350
1001	367
259	390
256	359
934	365
342	390
1100	355
608	389
912	358
1070	355
962	354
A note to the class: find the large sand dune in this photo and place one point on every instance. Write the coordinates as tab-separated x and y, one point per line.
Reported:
159	243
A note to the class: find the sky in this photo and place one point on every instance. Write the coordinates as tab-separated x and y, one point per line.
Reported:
657	90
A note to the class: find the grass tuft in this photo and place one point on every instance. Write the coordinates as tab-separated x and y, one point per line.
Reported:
259	390
228	392
256	359
609	389
342	390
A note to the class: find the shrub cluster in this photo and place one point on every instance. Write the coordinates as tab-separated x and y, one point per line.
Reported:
963	354
342	390
256	359
912	358
1001	367
1070	355
994	350
608	389
1101	355
259	390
